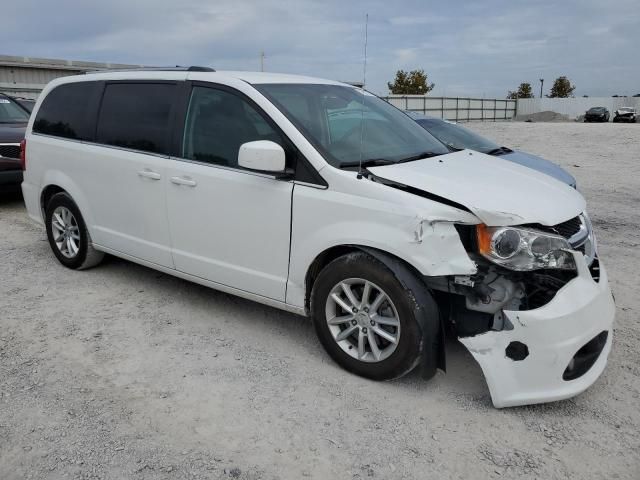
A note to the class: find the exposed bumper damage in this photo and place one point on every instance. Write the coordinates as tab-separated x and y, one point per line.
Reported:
551	352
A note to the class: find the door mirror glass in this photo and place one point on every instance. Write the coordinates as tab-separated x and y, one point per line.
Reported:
262	155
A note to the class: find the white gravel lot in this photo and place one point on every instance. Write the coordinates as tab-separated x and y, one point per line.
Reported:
122	372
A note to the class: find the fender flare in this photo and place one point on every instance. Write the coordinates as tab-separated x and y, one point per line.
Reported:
426	311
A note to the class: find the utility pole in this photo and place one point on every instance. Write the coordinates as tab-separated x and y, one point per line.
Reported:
262	56
541	84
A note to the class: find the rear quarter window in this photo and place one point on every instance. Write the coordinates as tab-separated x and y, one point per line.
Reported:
136	116
65	113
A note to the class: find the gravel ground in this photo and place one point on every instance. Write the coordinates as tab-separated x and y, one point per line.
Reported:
123	372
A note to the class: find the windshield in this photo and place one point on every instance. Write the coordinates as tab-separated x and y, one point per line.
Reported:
347	125
12	113
457	137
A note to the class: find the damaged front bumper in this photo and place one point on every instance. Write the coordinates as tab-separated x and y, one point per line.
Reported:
553	352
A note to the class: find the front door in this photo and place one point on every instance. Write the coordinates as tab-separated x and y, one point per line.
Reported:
228	225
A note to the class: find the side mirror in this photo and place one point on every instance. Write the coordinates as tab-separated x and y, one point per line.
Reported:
262	155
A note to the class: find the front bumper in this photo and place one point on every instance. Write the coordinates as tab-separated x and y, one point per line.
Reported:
553	335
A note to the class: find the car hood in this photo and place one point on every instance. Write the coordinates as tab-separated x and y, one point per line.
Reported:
499	193
12	132
541	165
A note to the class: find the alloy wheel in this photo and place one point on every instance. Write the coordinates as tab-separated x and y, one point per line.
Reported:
66	233
363	320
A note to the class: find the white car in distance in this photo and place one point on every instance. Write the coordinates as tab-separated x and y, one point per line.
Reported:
319	198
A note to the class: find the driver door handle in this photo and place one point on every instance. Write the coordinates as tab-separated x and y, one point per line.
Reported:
184	181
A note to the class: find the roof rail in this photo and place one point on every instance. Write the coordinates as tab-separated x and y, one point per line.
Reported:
177	68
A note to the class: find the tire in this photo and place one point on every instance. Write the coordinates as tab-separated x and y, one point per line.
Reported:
394	359
68	235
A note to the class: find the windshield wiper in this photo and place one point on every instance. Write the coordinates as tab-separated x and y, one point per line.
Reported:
419	156
499	151
378	162
369	162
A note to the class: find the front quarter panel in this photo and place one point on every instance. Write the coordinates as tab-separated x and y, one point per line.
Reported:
414	229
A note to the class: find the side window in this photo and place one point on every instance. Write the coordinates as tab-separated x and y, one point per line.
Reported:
136	115
64	112
218	122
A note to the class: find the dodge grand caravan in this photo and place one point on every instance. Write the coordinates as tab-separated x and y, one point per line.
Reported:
262	185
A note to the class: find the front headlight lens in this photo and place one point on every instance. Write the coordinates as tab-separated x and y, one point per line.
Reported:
506	243
523	249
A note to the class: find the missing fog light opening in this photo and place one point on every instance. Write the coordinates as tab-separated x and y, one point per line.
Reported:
517	351
586	357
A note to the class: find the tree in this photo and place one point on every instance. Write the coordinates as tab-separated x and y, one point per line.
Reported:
524	91
562	88
413	83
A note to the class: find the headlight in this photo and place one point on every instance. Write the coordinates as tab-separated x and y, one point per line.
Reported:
521	249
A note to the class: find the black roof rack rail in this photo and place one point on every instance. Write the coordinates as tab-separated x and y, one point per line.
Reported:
196	68
177	68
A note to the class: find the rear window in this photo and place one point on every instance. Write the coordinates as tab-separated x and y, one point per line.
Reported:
136	116
64	112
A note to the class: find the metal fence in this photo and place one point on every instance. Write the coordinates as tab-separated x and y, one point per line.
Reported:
456	108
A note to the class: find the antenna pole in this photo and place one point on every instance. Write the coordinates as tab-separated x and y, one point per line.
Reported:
366	38
364	96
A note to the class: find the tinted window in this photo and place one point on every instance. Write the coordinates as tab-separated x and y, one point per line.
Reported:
218	122
64	112
136	115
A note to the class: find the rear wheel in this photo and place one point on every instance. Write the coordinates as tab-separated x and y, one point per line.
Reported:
365	318
68	235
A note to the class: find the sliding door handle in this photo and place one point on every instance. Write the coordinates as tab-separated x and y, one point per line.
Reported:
186	181
146	173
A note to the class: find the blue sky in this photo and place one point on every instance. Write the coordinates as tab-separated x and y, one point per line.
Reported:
466	47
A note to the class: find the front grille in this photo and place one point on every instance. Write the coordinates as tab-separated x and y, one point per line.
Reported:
10	151
566	229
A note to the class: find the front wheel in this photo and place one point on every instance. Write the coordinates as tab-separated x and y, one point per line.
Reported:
365	318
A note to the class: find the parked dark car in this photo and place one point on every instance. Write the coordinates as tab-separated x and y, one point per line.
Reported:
597	114
456	137
625	114
13	122
27	103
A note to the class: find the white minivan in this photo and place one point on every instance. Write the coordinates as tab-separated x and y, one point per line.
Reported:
319	198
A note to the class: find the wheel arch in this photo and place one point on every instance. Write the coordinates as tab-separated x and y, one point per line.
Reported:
46	194
431	322
56	182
